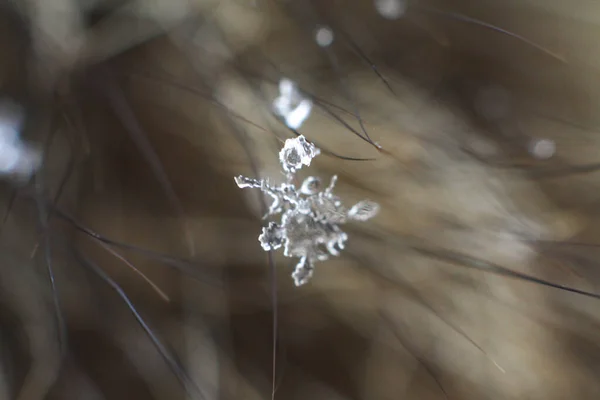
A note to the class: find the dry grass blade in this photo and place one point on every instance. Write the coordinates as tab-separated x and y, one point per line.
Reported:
173	363
154	286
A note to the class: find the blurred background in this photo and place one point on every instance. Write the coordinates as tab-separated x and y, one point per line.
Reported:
131	265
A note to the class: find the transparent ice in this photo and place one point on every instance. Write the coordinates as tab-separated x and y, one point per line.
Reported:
310	218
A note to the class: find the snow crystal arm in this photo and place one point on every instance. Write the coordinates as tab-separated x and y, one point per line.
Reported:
310	218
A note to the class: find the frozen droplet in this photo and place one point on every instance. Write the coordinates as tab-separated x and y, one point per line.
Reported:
324	36
391	9
363	210
310	186
542	149
297	152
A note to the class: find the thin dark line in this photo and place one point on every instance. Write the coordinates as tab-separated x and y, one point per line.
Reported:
475	263
474	21
127	117
183	265
173	363
274	304
420	360
366	59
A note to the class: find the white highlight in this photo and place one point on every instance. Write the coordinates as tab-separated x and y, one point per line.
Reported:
542	149
298	115
16	157
324	36
363	210
291	105
390	9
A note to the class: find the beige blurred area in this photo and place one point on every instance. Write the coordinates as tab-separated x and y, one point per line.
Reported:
148	109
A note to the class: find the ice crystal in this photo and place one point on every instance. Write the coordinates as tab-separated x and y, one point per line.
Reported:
296	153
309	227
291	105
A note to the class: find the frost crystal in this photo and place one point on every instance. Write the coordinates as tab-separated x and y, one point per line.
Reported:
296	153
310	217
291	105
363	210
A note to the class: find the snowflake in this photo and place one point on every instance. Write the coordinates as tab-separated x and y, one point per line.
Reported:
310	218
